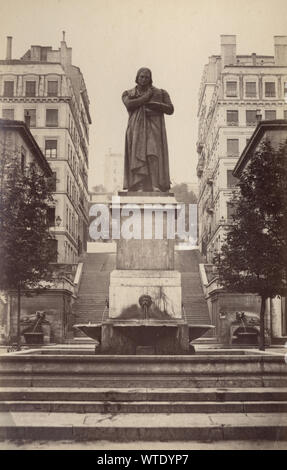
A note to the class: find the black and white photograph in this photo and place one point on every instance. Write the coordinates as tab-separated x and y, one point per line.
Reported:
143	227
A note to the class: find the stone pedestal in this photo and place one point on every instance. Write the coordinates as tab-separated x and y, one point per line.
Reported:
145	262
145	270
145	300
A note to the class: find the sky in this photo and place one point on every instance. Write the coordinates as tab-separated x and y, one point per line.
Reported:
112	39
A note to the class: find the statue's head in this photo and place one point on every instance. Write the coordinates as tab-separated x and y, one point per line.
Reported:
144	77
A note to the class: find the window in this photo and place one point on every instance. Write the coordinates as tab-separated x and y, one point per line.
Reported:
30	88
285	92
232	118
51	117
270	89
232	147
8	88
251	118
270	115
231	180
8	113
54	248
231	89
51	216
250	89
230	210
30	115
43	54
51	148
285	114
53	181
52	88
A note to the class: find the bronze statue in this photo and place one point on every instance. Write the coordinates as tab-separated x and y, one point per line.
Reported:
146	151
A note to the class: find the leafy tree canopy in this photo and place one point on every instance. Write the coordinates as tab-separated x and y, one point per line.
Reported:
182	194
254	257
26	246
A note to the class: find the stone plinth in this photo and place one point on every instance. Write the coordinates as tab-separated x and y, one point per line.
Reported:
127	286
154	219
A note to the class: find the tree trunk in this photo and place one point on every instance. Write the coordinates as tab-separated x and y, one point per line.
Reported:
18	317
262	325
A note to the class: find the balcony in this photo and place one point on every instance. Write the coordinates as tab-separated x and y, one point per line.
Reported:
200	166
199	147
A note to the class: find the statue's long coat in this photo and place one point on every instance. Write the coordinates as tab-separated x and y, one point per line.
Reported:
146	136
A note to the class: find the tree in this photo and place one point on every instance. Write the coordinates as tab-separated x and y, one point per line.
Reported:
99	188
26	245
254	256
182	194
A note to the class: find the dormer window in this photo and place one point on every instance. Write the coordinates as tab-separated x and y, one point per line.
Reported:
270	91
231	89
52	88
8	88
30	88
250	89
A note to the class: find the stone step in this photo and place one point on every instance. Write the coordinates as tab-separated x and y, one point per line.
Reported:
89	380
179	395
268	394
143	426
143	407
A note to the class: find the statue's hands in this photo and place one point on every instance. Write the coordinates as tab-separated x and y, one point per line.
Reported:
148	94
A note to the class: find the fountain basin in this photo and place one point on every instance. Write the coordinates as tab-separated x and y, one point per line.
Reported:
124	336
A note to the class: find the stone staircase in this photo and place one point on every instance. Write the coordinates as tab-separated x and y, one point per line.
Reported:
71	394
94	288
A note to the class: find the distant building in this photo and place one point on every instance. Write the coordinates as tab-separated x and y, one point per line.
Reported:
45	90
236	92
114	172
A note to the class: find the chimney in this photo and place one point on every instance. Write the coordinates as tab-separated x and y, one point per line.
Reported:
65	52
9	48
27	119
280	45
253	56
228	49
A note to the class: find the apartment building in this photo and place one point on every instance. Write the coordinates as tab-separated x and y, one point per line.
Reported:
236	92
49	94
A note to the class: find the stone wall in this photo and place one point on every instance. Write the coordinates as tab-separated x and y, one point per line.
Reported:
55	303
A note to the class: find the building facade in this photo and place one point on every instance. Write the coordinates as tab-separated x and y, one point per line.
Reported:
46	91
16	141
236	92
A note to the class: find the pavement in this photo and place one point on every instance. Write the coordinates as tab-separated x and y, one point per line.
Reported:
140	445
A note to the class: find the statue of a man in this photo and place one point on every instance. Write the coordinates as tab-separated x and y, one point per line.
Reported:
146	152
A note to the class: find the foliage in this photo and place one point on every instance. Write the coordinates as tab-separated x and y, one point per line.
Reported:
182	194
99	188
25	243
254	257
